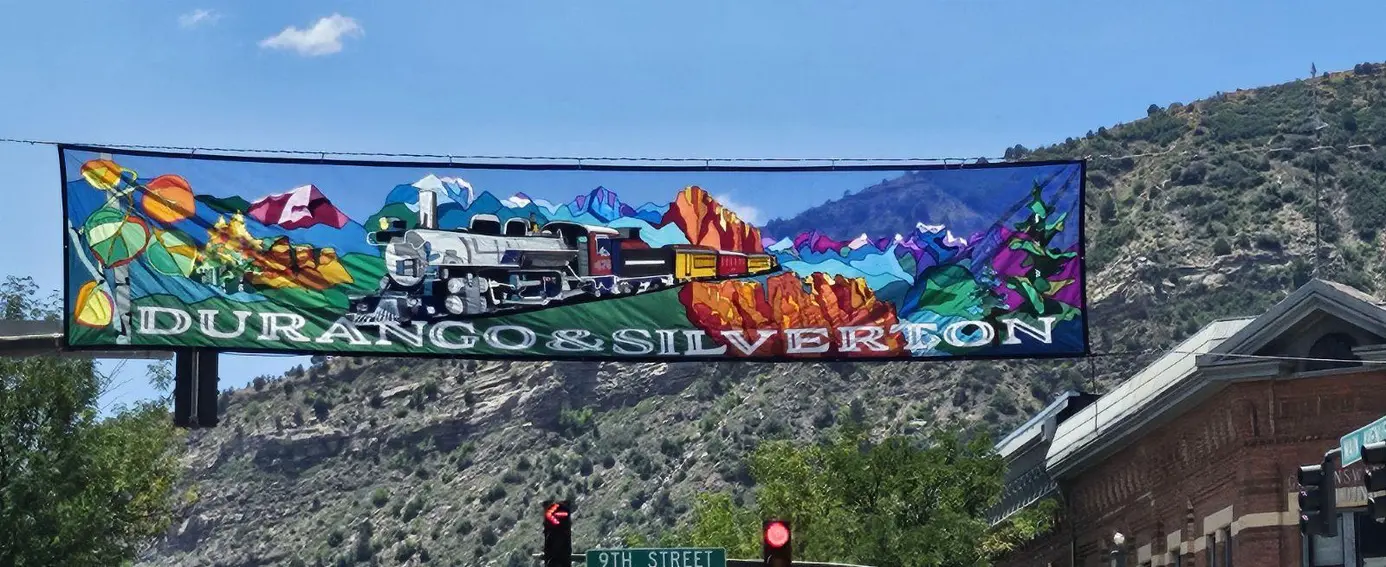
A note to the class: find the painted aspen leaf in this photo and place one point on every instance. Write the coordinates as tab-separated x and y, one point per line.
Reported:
115	237
171	253
93	308
106	175
168	199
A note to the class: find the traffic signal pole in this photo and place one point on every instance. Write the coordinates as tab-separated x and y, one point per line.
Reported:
195	375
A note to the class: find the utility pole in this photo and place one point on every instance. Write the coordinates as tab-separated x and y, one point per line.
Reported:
1318	126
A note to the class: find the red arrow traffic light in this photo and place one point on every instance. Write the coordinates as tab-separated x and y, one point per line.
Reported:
553	514
558	536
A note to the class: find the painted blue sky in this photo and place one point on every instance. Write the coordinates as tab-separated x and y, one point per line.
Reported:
360	191
757	196
718	78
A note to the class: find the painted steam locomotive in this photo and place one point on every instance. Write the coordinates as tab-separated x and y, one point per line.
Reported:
489	267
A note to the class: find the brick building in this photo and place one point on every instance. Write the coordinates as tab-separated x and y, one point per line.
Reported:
1193	458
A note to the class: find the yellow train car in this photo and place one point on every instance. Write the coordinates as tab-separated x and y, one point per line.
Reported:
759	263
694	263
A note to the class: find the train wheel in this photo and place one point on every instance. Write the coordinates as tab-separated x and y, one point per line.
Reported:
623	288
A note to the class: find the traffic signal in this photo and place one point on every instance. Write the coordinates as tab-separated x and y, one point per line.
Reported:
777	544
195	388
558	534
1375	479
1318	499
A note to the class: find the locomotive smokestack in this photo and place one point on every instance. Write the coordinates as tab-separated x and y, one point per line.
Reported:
428	209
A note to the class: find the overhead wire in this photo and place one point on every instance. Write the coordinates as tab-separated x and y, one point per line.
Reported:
960	162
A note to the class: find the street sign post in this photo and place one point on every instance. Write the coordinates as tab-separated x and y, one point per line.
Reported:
1351	444
658	557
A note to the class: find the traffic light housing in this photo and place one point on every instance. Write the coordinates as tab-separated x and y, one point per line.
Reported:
1375	479
558	534
777	543
1318	499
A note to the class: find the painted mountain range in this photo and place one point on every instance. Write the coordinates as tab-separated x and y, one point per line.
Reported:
916	272
693	216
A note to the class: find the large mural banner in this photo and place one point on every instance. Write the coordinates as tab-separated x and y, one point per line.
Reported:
245	254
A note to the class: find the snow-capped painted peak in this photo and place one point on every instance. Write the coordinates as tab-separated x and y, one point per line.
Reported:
300	207
928	228
950	240
521	200
782	244
859	241
454	188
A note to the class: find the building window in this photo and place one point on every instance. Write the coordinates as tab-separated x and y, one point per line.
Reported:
1333	350
1210	548
1176	559
1226	546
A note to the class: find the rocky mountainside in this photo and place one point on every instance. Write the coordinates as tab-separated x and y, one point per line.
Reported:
1197	211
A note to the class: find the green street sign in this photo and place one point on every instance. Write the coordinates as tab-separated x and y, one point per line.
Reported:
658	557
1351	444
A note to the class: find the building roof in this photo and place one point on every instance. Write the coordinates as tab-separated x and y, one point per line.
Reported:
1102	418
1024	449
1034	428
1200	367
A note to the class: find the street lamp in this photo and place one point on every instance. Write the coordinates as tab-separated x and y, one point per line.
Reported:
1118	553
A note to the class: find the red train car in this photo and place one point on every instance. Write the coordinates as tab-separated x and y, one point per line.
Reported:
730	264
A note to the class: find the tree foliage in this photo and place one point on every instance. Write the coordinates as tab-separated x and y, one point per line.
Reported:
76	489
899	501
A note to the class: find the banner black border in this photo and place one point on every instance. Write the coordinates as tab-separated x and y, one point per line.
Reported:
115	150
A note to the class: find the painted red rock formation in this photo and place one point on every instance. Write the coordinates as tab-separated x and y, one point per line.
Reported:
706	222
788	302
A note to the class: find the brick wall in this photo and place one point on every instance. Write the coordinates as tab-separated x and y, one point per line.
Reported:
1228	463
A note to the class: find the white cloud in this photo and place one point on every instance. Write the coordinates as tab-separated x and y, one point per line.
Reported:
746	212
198	17
324	38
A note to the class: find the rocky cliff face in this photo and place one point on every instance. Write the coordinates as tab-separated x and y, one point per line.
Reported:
451	459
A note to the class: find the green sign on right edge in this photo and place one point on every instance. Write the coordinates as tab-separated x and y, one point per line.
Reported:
1351	444
656	557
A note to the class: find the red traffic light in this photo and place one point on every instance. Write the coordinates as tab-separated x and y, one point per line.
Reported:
776	534
555	513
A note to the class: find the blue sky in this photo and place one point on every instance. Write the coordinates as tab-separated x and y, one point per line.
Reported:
718	78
